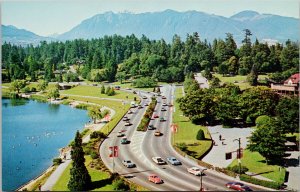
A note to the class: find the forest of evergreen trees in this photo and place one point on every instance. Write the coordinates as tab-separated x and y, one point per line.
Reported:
118	58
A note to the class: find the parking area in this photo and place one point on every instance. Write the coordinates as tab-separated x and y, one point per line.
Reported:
224	142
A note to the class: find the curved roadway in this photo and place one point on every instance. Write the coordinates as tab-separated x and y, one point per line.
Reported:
144	145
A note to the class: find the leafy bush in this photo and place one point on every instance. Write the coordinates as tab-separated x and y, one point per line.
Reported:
243	71
25	90
94	155
236	169
97	135
147	116
120	185
270	184
248	120
102	89
200	135
82	106
57	161
261	120
111	92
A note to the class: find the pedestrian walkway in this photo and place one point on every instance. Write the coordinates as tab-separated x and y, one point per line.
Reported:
293	170
216	156
202	81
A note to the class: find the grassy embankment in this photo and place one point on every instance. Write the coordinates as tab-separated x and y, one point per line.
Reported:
128	84
100	178
96	92
256	164
187	131
241	80
96	176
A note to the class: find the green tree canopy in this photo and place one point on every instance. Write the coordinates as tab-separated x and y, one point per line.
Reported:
268	140
17	85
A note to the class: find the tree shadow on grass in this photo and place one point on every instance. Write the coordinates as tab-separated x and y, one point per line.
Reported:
100	183
261	173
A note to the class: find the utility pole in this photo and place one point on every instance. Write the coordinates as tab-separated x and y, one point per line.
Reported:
202	172
239	154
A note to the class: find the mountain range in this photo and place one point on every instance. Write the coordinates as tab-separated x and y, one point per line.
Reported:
157	25
21	36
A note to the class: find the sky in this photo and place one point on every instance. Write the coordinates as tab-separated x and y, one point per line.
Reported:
45	17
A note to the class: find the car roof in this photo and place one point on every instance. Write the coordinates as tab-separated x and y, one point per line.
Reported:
195	168
171	158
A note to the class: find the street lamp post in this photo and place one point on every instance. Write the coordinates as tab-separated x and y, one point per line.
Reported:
201	173
239	154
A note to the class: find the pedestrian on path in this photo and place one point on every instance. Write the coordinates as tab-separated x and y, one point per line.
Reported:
220	137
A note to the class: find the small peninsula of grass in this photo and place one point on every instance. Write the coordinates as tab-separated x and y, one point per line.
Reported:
187	132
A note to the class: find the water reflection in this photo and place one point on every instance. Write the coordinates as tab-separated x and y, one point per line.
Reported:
53	108
16	102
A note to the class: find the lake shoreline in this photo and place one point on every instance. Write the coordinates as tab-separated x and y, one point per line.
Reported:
34	182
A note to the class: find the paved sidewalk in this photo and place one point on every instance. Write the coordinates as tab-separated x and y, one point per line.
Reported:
294	170
216	156
56	174
201	80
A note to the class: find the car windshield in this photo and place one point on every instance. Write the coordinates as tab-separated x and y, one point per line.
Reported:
196	169
128	161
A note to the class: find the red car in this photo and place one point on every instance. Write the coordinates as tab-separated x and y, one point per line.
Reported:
155	116
155	179
238	186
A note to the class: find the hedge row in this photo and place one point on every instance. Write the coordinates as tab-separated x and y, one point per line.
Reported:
270	184
147	116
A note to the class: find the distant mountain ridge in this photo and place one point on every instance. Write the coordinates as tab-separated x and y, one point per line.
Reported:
157	25
165	24
21	37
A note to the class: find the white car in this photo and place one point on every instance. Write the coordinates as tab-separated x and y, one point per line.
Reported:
128	164
195	171
159	160
120	134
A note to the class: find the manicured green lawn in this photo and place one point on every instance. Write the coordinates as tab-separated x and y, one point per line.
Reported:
241	80
96	175
256	164
127	84
115	105
187	131
95	92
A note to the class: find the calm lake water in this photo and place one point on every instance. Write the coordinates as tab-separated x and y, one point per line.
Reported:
32	133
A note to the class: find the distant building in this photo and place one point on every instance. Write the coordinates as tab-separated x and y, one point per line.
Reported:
64	86
289	87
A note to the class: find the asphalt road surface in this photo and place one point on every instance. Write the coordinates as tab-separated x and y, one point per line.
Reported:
144	145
